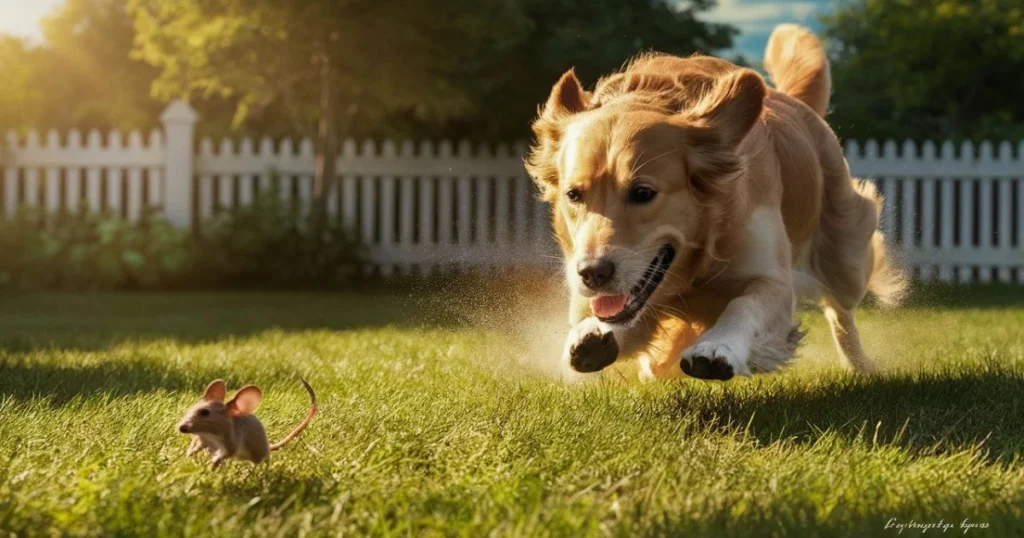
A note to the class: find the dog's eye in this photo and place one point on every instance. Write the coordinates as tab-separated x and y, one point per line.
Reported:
204	412
641	194
574	195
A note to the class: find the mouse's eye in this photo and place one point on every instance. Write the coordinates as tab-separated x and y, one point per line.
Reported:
204	412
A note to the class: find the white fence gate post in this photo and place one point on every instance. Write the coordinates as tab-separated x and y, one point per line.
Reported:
179	121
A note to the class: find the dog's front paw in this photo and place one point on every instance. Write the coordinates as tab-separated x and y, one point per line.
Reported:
712	360
591	348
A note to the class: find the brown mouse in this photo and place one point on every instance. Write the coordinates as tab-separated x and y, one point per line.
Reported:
230	430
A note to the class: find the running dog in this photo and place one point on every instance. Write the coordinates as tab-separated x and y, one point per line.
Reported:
694	205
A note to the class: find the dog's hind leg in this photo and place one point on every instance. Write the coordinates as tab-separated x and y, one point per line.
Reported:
806	287
844	332
849	258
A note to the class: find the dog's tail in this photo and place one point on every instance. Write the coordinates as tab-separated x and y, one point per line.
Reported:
796	61
888	282
302	425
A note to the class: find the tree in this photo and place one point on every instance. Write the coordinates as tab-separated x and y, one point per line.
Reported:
21	103
928	69
594	36
465	70
81	77
323	64
93	81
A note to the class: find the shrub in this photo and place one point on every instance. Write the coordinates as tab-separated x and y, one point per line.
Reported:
272	244
91	251
267	245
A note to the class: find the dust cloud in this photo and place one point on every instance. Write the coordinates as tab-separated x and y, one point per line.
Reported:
523	315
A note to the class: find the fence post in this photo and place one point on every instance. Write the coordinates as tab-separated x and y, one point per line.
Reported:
179	121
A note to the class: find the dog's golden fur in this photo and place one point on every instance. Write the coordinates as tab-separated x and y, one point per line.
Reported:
753	194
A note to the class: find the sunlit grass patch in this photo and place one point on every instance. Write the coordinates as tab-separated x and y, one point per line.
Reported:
427	428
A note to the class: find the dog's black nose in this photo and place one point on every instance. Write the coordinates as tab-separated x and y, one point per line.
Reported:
596	273
183	428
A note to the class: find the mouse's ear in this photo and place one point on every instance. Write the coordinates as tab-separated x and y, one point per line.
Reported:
215	391
245	401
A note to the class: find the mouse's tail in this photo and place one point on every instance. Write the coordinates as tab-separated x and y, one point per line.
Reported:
305	422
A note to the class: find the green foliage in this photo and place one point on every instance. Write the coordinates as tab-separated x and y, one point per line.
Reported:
478	69
509	79
83	77
928	69
271	244
92	251
267	245
418	68
383	57
100	84
21	102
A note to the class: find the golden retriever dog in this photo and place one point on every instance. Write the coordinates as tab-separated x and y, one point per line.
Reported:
694	205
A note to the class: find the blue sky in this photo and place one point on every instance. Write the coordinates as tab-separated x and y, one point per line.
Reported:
754	18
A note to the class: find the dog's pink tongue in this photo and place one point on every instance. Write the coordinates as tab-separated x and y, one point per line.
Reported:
607	306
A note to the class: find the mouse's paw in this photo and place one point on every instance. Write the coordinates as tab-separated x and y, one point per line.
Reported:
219	458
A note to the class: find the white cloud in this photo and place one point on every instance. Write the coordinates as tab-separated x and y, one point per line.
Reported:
755	16
755	19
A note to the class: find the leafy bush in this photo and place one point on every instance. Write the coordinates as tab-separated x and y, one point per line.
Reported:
267	245
272	244
91	251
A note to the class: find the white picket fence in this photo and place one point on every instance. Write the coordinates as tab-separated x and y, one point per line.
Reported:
413	206
951	215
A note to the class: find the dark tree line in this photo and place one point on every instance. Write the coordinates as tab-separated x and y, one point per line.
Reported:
478	68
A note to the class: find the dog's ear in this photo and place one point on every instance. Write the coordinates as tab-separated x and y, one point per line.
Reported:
567	98
715	125
731	107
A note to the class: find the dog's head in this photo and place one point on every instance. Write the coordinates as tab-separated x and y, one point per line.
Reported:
639	189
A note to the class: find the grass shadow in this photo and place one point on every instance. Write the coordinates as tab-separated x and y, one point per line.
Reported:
96	321
931	412
90	322
275	485
62	383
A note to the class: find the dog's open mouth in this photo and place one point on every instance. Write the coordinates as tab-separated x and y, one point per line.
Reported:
622	308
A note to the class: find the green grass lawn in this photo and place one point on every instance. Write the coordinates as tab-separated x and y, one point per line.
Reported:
432	428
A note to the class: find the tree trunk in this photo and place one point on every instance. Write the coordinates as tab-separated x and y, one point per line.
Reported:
327	144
